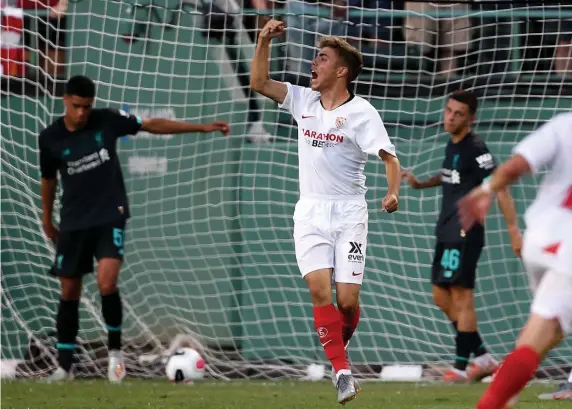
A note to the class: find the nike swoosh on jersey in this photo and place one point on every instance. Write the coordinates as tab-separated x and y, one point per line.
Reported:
308	116
356	274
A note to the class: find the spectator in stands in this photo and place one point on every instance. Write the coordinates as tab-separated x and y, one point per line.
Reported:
364	28
547	44
453	34
563	52
369	29
306	23
50	34
222	22
11	47
261	5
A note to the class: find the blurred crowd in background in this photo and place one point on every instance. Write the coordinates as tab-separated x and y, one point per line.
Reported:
457	45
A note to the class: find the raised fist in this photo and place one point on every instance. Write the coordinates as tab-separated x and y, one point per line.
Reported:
272	29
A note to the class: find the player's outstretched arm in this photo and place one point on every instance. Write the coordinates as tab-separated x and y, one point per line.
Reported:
506	205
390	202
410	178
167	126
260	71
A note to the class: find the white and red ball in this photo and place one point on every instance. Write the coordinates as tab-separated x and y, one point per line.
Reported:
185	365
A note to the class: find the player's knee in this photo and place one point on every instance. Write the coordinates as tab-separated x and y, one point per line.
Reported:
70	288
107	287
347	306
321	295
442	300
107	275
463	299
541	334
347	297
320	287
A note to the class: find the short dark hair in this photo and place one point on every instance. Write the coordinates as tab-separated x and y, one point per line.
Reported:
468	98
81	86
350	55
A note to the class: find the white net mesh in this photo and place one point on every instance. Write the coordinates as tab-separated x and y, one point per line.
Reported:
209	249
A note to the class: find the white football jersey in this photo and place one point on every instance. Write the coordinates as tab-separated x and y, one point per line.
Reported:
333	145
551	146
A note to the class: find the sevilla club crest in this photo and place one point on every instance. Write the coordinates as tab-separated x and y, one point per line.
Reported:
340	122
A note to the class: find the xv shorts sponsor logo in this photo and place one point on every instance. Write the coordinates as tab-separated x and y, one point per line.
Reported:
355	254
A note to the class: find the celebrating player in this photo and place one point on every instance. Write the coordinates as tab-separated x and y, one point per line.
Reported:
336	132
467	163
81	146
547	251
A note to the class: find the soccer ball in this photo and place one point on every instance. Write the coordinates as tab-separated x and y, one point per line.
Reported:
185	365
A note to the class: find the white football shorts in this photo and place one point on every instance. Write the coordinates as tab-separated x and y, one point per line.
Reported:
548	261
331	233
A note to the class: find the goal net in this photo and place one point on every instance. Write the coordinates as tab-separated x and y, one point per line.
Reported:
209	252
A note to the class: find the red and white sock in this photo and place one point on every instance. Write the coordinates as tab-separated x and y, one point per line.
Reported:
513	375
349	324
329	328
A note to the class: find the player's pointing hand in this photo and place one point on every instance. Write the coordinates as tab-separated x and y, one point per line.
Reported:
221	126
410	178
390	203
272	29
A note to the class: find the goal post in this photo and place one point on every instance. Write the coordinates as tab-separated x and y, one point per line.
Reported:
209	250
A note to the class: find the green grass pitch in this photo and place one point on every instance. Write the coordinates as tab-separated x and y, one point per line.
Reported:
147	394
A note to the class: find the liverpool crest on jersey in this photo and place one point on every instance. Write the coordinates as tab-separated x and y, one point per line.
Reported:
340	121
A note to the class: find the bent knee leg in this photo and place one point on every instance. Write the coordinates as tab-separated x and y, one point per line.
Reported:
442	298
347	297
107	275
319	284
463	299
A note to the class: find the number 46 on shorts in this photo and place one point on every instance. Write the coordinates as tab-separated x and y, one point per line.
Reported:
450	261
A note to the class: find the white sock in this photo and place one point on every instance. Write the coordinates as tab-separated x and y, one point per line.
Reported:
570	377
343	372
464	373
483	359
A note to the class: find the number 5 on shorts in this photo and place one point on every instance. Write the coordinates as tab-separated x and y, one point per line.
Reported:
118	238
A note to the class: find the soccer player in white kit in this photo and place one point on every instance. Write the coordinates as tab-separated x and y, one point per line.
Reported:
336	132
547	251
